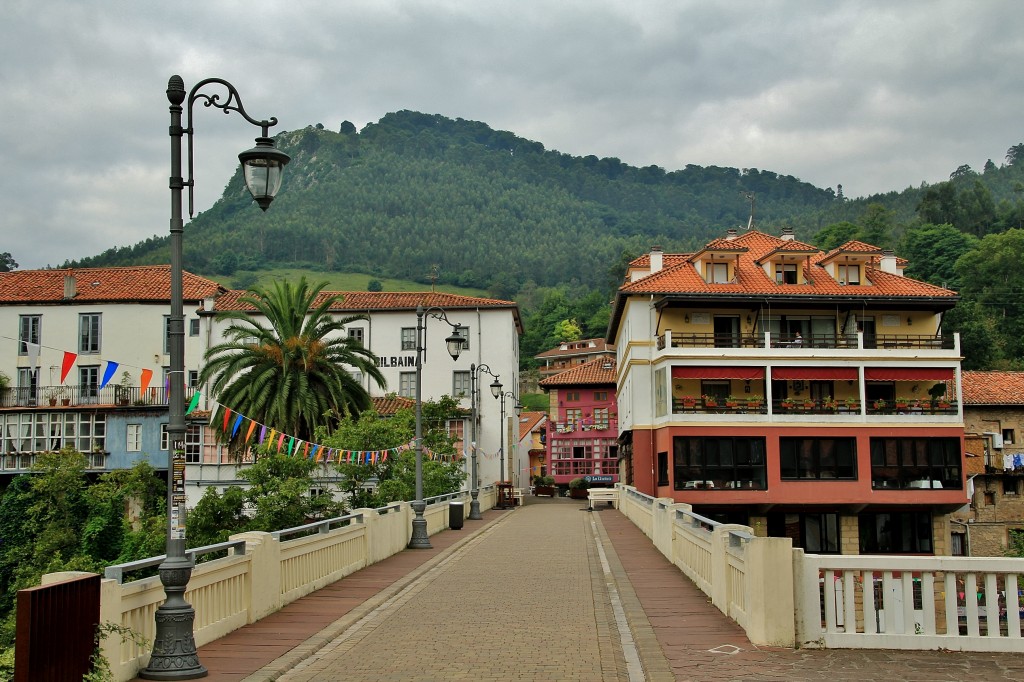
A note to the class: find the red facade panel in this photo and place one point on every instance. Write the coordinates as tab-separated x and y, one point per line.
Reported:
908	374
718	373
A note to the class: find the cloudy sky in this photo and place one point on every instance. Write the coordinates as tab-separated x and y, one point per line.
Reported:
875	96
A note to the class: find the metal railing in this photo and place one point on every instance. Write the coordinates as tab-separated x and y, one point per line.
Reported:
729	340
76	396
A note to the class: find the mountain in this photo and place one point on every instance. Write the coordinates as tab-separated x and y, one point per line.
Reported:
488	209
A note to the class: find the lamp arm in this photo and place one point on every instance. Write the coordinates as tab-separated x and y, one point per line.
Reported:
232	103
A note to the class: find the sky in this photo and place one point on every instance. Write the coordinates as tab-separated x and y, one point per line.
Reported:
875	96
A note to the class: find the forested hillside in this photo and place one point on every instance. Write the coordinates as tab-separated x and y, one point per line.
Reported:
418	196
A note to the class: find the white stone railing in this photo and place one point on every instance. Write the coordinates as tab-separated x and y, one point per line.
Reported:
239	589
954	603
916	602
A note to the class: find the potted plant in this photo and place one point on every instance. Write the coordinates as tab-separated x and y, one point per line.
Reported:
123	389
879	404
578	488
732	401
544	485
809	403
64	394
937	394
787	404
829	403
710	400
51	396
852	404
754	402
688	401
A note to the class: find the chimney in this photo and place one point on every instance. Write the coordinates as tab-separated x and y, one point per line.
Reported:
730	234
887	263
69	287
787	234
657	261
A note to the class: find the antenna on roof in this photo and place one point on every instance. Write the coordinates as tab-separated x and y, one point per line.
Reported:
750	222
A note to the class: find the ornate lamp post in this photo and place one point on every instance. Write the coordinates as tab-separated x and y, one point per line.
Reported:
174	648
420	539
501	451
474	370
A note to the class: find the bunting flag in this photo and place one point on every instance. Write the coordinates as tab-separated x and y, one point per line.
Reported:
193	403
33	354
66	364
291	444
280	442
248	434
213	413
227	416
108	373
263	433
145	376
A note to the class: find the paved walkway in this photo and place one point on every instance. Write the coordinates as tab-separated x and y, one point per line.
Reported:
547	592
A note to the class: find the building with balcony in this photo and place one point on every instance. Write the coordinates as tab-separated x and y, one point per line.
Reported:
572	353
531	451
806	394
994	423
88	361
582	436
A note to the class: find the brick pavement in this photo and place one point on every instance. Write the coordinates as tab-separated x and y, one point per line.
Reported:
547	592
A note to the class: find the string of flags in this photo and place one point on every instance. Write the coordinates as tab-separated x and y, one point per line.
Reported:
234	420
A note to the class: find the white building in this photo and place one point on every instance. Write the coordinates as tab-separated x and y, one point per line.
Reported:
100	322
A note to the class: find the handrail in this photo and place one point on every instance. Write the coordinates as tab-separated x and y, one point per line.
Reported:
321	527
117	571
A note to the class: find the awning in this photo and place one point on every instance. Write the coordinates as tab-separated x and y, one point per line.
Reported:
814	373
745	373
908	373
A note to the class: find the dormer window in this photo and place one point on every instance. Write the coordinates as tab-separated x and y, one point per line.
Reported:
718	273
848	274
785	273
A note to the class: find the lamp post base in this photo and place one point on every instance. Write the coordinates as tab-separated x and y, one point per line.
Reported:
174	654
420	539
474	507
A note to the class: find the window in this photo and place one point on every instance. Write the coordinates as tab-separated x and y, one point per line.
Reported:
990	498
134	443
356	334
456	429
1009	486
88	382
600	396
28	386
818	458
407	384
464	333
785	273
573	416
915	463
719	462
167	334
193	443
89	333
572	396
408	338
601	418
718	273
1009	437
849	274
193	327
715	389
40	431
958	544
896	533
164	437
662	468
460	384
193	378
28	331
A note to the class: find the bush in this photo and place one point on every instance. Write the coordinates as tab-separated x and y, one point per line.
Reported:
579	484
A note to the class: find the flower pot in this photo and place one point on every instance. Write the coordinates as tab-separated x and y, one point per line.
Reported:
65	401
52	401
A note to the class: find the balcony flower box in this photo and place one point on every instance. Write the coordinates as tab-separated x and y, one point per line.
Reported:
710	401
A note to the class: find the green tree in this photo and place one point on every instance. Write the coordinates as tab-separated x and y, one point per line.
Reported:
7	262
993	281
292	370
568	330
836	234
932	252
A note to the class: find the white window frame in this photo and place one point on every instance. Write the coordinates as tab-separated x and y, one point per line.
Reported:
408	338
90	333
29	330
461	380
407	384
134	438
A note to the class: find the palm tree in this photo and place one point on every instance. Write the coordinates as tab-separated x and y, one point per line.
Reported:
283	370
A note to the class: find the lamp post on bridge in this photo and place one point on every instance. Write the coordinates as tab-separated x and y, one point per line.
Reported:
474	492
174	649
420	539
518	409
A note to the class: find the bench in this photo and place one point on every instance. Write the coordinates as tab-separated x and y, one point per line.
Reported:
603	495
517	497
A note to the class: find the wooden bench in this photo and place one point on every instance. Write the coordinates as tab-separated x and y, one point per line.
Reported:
603	495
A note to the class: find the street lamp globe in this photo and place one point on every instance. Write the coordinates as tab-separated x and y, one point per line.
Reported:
263	170
495	387
455	343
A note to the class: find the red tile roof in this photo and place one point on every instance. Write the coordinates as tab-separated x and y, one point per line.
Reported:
369	301
751	279
597	371
148	283
528	421
993	388
600	346
391	404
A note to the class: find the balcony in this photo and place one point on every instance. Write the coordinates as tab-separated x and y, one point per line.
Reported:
564	470
79	396
672	340
798	407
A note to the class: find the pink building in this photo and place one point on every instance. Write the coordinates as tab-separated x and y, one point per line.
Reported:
583	430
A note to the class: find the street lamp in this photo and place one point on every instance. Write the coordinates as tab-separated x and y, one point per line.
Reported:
474	370
174	649
420	539
501	451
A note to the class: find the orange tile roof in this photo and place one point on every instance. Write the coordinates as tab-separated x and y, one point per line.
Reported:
751	279
993	388
594	372
528	421
391	404
368	301
147	283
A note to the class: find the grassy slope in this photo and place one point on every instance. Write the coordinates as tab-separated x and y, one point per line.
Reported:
344	281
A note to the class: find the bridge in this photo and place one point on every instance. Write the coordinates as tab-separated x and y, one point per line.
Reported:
548	591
